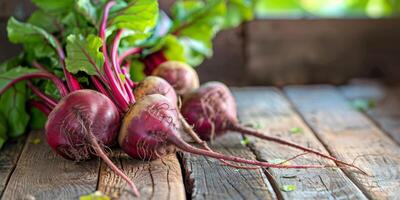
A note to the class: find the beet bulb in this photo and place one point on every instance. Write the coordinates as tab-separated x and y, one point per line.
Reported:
211	109
81	125
150	130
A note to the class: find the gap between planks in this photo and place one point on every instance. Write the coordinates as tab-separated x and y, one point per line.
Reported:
385	111
9	156
42	174
350	135
208	178
158	179
269	110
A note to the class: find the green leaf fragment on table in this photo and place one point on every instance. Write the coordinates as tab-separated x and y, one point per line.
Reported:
363	105
245	141
296	130
35	141
98	195
279	161
80	49
288	188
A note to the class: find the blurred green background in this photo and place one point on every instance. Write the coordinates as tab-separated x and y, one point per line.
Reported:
327	8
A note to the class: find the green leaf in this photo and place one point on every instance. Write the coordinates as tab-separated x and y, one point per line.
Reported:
35	141
8	76
238	11
287	8
12	102
245	141
195	24
78	50
25	33
363	105
12	105
38	119
279	161
136	15
54	6
88	10
95	196
296	130
288	188
3	130
137	70
43	20
173	49
10	63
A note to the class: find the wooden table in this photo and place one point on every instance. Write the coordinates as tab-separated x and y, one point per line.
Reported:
318	116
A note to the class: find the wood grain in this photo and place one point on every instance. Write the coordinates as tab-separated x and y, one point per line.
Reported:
267	108
41	174
386	111
351	136
158	179
9	155
284	51
206	178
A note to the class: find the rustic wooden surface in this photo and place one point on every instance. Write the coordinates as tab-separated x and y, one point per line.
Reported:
8	160
351	136
273	114
207	178
324	115
321	50
385	108
41	174
159	179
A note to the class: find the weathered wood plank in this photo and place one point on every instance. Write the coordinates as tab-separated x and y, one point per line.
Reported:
267	108
386	111
41	174
285	51
9	155
207	178
159	179
351	136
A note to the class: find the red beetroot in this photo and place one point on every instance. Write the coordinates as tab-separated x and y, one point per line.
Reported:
211	109
150	131
180	75
84	109
155	85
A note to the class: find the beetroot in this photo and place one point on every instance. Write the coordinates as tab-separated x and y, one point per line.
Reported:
211	109
155	85
84	109
150	130
181	76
